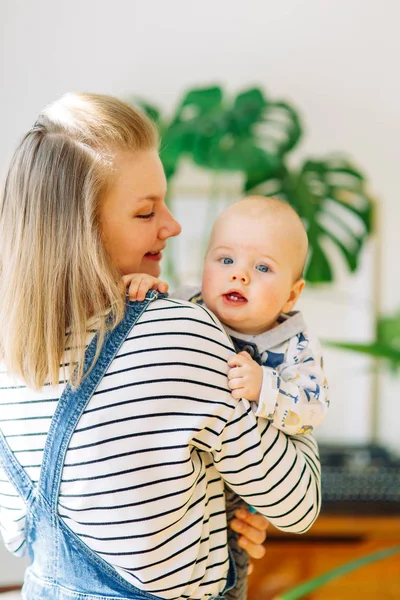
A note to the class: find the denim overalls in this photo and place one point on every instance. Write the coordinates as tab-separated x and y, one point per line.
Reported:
63	567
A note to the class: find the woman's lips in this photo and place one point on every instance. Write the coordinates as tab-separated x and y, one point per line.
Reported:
156	256
234	299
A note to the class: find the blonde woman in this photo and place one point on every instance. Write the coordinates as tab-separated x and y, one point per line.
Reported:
117	427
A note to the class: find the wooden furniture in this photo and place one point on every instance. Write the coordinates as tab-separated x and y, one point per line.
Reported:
332	541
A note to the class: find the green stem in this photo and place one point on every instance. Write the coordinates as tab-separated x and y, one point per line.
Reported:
309	586
211	212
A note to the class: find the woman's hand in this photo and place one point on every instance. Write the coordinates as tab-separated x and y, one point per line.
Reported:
252	528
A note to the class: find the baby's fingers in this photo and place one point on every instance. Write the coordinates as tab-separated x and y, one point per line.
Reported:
236	387
145	285
235	373
163	287
150	283
160	286
238	360
133	290
236	383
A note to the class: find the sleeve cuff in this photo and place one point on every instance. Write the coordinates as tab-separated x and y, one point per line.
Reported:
268	395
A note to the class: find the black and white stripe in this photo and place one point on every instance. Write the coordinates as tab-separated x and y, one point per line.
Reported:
142	483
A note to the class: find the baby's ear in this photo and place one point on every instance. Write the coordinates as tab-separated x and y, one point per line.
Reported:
295	292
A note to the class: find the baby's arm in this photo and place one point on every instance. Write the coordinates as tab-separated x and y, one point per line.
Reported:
293	399
140	283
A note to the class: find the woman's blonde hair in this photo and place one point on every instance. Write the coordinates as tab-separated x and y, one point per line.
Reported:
54	271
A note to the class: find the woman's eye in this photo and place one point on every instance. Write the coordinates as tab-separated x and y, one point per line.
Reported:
263	268
226	261
148	216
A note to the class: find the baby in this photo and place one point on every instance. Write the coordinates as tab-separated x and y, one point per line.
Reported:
252	278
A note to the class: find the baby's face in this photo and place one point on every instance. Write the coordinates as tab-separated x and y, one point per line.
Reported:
248	272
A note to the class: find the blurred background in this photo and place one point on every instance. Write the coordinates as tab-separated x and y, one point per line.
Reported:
296	98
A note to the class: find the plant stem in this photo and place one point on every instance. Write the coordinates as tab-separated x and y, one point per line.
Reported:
309	586
211	212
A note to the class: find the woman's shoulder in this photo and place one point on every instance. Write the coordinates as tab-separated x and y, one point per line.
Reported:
178	316
176	308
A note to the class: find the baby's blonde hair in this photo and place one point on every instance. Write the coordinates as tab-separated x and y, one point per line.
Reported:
54	271
284	215
290	220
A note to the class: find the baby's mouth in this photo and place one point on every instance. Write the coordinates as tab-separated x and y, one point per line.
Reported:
234	298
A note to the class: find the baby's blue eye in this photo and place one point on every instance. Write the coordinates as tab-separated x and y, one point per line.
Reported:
226	261
262	268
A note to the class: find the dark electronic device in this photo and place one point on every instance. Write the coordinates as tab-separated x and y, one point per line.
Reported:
359	480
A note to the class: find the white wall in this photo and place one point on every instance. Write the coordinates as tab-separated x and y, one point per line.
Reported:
336	60
11	568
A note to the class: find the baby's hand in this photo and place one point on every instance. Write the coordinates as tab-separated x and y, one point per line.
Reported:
244	376
139	284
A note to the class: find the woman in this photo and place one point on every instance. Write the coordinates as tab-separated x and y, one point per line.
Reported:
113	482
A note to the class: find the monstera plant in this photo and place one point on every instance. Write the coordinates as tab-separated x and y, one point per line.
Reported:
386	346
254	135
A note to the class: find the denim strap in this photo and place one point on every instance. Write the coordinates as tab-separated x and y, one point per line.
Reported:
73	402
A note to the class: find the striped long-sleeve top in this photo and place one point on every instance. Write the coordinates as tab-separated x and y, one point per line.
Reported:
143	479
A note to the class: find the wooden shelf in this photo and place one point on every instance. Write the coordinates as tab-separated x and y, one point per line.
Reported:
332	541
351	526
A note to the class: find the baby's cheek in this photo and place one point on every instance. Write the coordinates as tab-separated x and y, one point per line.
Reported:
208	296
209	283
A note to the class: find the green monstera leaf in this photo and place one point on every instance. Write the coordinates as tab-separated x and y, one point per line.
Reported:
331	197
253	135
385	347
249	134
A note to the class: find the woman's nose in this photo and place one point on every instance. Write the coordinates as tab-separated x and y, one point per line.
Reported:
170	227
241	276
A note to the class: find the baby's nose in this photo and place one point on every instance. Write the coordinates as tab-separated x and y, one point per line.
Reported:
242	277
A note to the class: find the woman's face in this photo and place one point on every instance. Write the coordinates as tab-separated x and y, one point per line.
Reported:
134	220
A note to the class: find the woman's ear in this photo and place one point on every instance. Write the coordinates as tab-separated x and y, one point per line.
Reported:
295	292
